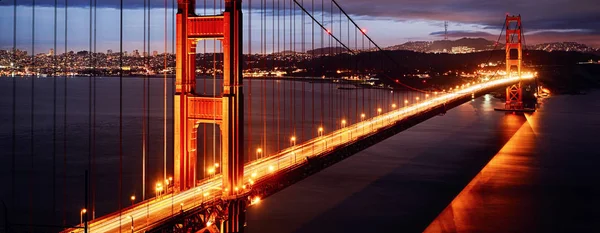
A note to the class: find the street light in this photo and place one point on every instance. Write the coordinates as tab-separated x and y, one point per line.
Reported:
158	189
258	152
293	140
83	211
181	207
393	106
343	123
132	199
320	131
362	116
379	110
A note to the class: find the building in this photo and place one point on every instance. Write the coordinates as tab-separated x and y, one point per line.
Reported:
51	53
109	52
462	49
155	53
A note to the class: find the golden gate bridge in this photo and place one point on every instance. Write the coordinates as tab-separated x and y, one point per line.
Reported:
210	193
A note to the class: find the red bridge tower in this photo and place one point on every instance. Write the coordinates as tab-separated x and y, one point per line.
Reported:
514	58
226	111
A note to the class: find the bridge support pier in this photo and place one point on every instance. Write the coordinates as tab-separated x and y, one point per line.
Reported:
236	216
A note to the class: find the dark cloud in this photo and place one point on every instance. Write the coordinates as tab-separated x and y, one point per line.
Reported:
128	4
537	15
579	16
585	37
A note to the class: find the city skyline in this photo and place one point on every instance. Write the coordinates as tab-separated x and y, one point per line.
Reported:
552	21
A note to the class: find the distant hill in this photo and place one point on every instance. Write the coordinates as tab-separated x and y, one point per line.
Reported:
326	51
481	44
478	44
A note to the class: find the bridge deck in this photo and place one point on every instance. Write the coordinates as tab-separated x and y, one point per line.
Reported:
146	214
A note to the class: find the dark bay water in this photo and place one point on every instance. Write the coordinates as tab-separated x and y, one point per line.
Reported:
471	170
272	117
404	183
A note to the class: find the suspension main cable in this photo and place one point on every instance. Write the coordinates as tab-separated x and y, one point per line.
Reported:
323	27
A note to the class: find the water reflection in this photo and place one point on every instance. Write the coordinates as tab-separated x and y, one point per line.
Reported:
482	206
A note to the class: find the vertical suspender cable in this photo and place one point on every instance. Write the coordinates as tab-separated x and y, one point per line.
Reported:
263	89
94	115
14	108
65	136
165	98
312	58
273	64
54	67
120	192
302	123
249	122
148	67
144	87
331	85
285	64
293	47
32	138
204	78
357	71
363	69
261	65
278	84
321	68
92	71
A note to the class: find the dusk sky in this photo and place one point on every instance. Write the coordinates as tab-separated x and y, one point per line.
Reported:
388	22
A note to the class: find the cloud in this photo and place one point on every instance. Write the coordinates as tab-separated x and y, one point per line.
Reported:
585	37
537	15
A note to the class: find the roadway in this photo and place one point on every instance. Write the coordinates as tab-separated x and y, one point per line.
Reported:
142	215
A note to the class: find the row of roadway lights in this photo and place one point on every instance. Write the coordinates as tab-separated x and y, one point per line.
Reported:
320	131
159	188
343	123
271	168
212	170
